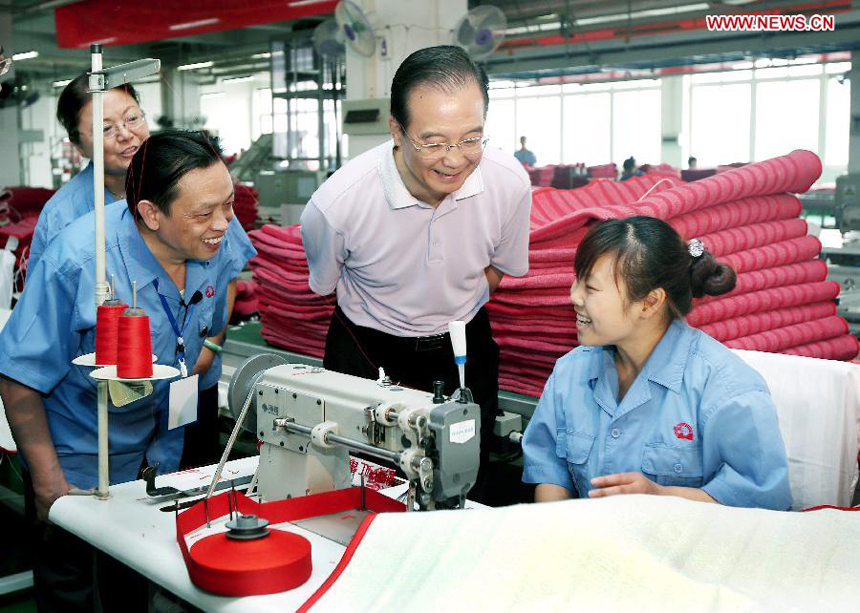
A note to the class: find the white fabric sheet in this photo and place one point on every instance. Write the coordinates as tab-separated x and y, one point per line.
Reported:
624	553
818	406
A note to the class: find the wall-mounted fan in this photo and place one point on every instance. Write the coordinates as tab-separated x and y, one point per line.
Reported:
355	27
329	39
481	30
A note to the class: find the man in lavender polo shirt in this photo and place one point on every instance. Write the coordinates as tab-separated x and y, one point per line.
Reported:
417	232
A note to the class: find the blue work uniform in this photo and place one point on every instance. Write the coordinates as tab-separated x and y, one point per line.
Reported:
695	416
239	246
54	322
73	200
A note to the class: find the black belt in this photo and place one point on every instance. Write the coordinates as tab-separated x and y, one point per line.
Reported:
430	343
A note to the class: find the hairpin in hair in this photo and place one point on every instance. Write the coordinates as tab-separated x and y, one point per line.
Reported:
696	247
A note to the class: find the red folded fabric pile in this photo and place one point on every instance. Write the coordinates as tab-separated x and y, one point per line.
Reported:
746	217
292	316
245	205
19	212
603	171
246	301
541	176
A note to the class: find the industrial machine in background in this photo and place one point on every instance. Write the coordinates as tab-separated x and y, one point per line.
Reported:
844	262
308	419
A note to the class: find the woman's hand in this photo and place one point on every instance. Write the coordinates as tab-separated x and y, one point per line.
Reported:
624	483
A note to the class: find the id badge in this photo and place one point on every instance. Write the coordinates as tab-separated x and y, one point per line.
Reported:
183	402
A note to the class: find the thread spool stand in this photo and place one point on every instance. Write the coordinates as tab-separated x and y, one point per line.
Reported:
100	81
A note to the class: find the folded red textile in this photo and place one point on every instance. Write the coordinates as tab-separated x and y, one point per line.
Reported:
514	355
542	255
538	280
810	271
518	312
765	300
549	204
843	347
747	325
544	344
304	347
794	172
534	326
792	336
512	384
246	307
753	235
785	252
735	214
25	201
537	372
568	231
535	298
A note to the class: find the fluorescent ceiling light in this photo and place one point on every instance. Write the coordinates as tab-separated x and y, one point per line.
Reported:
265	54
62	83
194	24
674	10
26	55
213	95
195	66
238	79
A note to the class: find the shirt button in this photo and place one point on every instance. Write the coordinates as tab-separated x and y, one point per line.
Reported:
679	468
615	433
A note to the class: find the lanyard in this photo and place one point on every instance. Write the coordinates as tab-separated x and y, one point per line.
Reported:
180	342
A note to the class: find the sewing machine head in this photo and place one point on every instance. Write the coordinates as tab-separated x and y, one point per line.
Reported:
309	418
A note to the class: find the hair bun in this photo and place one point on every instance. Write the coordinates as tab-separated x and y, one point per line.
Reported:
707	277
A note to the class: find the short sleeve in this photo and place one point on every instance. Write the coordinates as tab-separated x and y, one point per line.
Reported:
511	255
324	247
37	245
743	435
240	249
38	342
541	462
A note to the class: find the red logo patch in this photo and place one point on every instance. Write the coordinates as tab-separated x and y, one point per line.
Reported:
210	291
683	430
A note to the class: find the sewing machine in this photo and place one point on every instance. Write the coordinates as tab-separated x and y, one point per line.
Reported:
309	418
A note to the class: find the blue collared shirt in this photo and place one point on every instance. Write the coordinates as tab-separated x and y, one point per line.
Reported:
238	247
54	322
73	200
695	416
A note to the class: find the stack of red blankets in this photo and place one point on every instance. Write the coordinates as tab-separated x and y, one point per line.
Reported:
746	217
245	205
246	301
293	317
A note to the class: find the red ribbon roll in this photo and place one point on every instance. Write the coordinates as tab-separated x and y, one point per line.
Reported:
134	354
107	331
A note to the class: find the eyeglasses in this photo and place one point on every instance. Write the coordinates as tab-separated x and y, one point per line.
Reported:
432	151
132	121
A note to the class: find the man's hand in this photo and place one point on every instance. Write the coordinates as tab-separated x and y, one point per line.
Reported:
47	494
624	483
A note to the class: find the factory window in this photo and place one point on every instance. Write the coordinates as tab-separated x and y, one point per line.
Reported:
587	128
533	116
636	126
714	138
501	126
786	117
838	122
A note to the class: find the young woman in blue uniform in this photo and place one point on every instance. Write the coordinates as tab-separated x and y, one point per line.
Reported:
648	404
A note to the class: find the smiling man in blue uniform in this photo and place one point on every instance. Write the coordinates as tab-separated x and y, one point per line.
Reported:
648	404
169	239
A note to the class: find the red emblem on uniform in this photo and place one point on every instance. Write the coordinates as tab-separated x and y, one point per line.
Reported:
684	430
210	291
